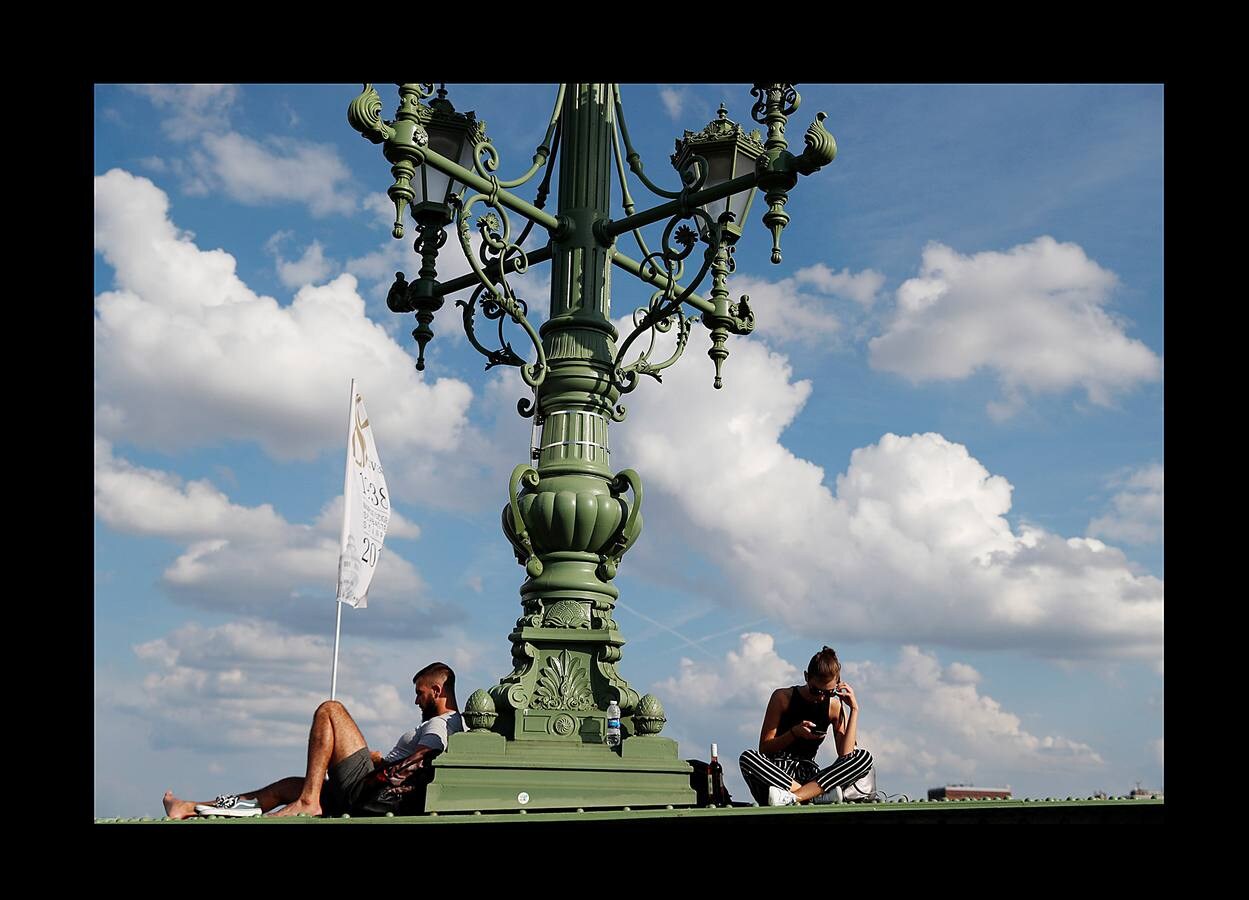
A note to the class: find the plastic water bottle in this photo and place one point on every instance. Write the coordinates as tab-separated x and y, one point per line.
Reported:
613	724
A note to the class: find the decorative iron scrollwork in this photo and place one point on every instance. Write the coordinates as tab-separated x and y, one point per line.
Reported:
678	242
495	230
774	99
491	309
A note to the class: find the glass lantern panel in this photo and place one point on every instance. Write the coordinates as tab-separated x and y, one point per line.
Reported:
445	142
466	154
719	170
740	202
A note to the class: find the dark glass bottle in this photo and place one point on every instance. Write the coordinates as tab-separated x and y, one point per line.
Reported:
715	774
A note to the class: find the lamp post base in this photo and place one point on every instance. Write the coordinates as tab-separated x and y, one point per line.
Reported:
484	771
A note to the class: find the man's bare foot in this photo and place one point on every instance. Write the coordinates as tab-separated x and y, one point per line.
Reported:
299	807
178	809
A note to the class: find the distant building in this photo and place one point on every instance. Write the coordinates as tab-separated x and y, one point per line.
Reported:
967	792
1140	793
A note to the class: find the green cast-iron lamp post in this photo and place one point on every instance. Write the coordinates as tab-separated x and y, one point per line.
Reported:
537	739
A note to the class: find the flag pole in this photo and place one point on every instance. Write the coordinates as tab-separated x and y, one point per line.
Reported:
338	625
342	542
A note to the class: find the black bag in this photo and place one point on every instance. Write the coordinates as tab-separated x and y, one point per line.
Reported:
399	789
700	781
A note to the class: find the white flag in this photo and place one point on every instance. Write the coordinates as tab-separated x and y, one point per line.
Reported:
366	508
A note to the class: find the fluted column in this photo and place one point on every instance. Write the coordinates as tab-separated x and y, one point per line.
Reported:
578	514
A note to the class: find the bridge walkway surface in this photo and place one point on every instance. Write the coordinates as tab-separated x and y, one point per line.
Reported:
656	823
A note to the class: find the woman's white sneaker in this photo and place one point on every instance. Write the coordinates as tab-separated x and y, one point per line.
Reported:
832	795
781	797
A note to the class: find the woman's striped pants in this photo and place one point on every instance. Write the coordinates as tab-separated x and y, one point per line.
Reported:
781	770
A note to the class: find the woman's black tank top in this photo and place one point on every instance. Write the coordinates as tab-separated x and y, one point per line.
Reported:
798	711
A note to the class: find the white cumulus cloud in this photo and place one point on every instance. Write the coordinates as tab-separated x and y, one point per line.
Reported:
861	287
192	110
227	707
1035	315
673	99
744	680
311	267
186	353
251	172
910	542
1135	514
799	308
277	169
250	560
932	718
924	723
246	685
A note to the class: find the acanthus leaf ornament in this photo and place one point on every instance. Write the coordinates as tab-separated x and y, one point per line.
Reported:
567	614
821	147
364	114
563	683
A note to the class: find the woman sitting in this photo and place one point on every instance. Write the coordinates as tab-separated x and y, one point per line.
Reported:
783	770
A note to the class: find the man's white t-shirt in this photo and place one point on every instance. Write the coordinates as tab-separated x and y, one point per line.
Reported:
432	733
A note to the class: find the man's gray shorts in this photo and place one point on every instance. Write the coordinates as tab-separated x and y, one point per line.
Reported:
351	785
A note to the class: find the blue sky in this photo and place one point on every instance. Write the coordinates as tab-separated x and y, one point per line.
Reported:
940	453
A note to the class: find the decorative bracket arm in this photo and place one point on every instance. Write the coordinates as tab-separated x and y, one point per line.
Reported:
528	474
778	168
629	531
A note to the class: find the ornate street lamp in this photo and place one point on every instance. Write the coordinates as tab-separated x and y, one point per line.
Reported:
728	151
453	135
417	127
538	738
715	156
